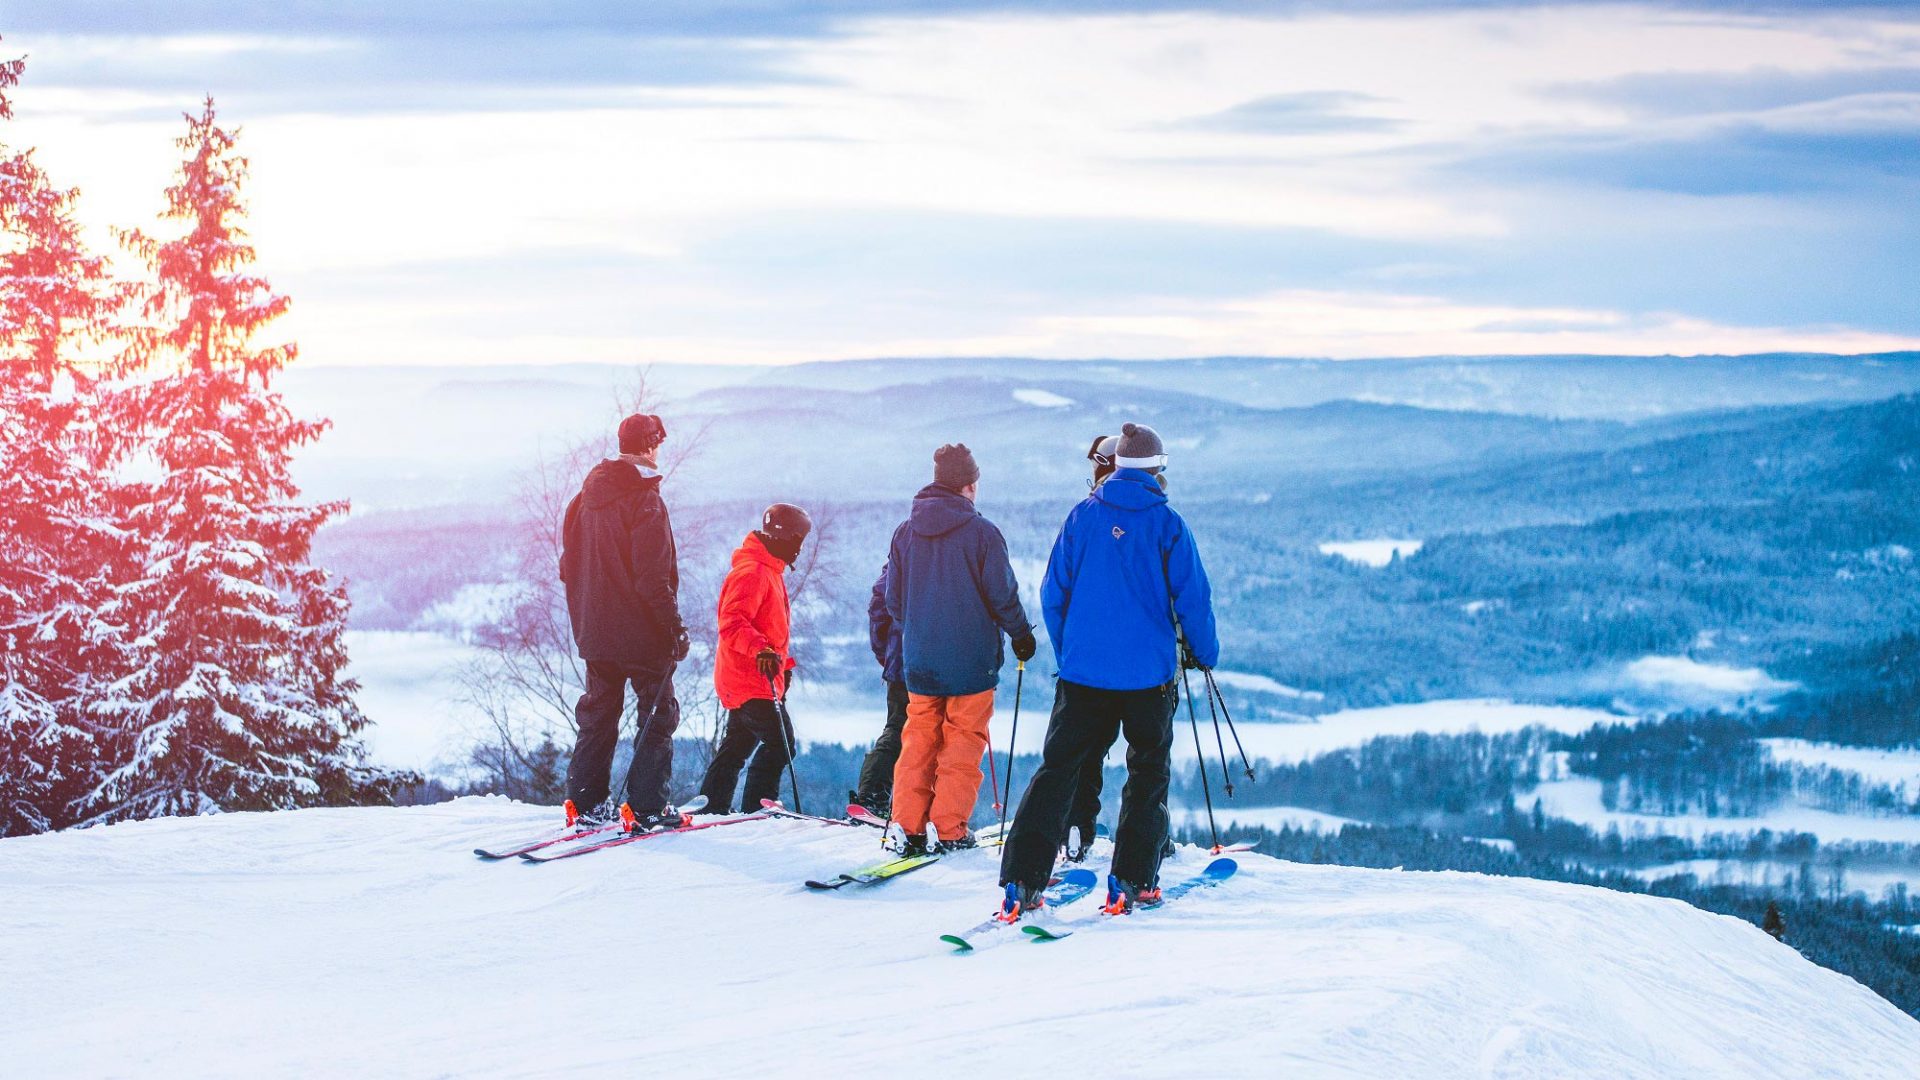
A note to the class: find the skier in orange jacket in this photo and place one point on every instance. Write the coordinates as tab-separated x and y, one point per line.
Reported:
752	663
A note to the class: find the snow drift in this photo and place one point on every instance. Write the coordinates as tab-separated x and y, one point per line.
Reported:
372	942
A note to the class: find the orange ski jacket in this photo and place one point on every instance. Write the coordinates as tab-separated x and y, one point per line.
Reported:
753	616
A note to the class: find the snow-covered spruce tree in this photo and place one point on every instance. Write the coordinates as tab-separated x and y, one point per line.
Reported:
56	543
234	697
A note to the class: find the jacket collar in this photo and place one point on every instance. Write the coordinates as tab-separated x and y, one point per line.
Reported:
753	550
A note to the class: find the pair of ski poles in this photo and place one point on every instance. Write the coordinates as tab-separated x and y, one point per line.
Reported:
1226	778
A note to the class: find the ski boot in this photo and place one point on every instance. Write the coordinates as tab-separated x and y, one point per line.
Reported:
878	805
667	817
1079	844
584	819
1020	900
897	841
1123	897
965	841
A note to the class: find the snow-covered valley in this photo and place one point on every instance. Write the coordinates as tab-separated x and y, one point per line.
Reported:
372	942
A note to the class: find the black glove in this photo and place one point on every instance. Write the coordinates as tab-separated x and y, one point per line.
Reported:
789	683
1190	661
681	644
1023	646
769	663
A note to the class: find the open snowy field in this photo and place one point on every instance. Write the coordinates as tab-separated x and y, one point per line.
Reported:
1879	766
1578	799
372	943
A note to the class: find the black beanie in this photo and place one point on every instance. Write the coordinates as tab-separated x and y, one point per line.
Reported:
953	466
640	433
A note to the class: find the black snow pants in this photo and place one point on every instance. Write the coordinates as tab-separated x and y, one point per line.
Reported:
598	717
752	729
876	772
1085	723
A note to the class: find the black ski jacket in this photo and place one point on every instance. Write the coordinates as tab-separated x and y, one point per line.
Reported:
621	570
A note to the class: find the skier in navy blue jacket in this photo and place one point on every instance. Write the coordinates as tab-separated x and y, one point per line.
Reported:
950	588
1126	602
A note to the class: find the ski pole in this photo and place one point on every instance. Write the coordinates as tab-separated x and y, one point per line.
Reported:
1013	739
1201	756
1213	688
785	720
1206	677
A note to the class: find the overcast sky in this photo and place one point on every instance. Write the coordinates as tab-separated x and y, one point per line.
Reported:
768	181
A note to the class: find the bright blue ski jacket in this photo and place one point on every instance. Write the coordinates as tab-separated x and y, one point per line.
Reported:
1123	566
950	591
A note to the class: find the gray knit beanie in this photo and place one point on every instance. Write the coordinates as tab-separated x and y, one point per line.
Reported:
1140	448
953	466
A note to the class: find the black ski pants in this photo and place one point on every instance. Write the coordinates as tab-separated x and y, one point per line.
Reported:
752	729
1083	809
1085	722
876	772
598	718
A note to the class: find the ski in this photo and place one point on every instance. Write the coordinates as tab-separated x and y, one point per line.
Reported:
620	836
1216	872
888	869
864	816
773	808
1071	885
876	873
549	838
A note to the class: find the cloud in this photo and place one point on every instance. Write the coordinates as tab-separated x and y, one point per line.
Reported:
1345	325
1733	159
1691	93
1305	112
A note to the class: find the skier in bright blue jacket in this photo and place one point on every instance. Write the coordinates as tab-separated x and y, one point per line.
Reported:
1124	589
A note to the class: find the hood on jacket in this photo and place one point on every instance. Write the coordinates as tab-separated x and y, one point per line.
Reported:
613	480
1131	489
753	549
938	510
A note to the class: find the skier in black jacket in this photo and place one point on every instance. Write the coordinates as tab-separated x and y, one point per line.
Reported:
622	578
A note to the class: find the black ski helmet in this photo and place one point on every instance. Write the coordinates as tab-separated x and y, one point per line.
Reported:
786	523
1101	453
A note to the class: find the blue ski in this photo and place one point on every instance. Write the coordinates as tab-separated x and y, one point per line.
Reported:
1070	886
1216	872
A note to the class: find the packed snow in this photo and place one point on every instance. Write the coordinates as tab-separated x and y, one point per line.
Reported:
371	942
1371	552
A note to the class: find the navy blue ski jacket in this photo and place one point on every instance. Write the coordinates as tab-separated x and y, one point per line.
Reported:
950	590
1123	565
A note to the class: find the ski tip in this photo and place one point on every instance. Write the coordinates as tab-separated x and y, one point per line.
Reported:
959	943
698	802
1041	933
1081	876
1220	869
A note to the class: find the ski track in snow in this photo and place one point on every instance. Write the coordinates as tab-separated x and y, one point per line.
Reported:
372	942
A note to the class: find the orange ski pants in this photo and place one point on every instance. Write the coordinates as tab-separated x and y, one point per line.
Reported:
938	775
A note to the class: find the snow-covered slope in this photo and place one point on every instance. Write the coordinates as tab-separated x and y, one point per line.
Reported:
372	943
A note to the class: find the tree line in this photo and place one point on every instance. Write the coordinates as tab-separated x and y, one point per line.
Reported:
166	644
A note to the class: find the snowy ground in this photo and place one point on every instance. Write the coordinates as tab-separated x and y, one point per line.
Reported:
1871	880
1578	799
1880	766
372	943
1374	553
